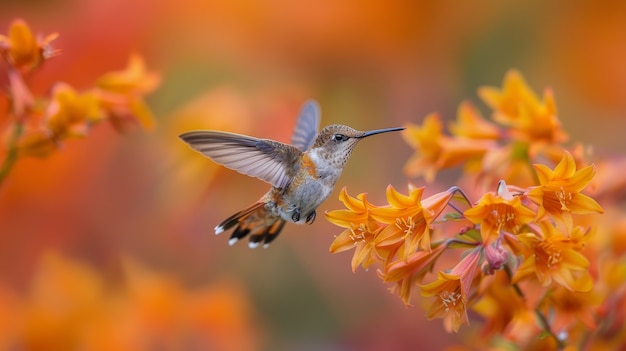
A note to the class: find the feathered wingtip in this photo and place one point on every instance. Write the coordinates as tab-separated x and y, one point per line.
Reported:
251	222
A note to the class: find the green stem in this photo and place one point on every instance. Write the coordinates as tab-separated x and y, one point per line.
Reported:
12	153
543	321
546	328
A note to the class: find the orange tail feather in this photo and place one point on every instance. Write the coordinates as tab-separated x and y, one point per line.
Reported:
255	222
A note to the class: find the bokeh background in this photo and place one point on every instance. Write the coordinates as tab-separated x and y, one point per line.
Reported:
126	221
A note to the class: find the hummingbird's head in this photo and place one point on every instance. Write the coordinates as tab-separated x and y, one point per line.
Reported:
338	140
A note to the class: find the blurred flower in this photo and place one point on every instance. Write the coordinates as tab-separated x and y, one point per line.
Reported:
505	311
70	306
508	163
559	191
435	151
571	307
517	106
470	124
39	124
69	114
135	79
121	92
556	257
497	213
22	50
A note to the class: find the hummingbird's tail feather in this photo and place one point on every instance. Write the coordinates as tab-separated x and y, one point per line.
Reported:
255	222
235	218
268	235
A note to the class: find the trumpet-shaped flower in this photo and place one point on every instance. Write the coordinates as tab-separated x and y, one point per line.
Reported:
470	124
435	151
451	291
409	218
22	50
572	307
121	93
69	114
517	106
560	189
360	230
406	273
408	223
501	306
556	257
497	213
135	79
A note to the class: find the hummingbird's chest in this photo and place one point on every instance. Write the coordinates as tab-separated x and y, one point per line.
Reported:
314	182
310	186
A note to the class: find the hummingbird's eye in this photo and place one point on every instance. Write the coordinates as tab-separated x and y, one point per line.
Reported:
339	137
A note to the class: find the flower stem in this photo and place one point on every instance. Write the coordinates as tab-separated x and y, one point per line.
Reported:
12	153
543	321
546	328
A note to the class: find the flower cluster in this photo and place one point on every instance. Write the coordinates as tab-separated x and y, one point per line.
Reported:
69	305
39	124
523	255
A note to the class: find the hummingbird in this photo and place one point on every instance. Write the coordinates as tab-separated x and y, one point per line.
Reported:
302	174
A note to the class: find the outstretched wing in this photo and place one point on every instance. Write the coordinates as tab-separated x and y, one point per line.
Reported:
307	126
265	159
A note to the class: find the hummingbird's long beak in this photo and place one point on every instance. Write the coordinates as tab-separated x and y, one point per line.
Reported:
378	131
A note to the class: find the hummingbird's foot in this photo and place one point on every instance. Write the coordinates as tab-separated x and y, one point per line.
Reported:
296	215
311	217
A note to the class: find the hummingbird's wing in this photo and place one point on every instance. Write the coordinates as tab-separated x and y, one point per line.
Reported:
265	159
307	126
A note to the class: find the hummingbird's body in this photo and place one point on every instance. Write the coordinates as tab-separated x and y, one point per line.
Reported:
302	175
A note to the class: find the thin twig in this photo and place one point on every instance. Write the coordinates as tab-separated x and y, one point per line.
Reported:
12	151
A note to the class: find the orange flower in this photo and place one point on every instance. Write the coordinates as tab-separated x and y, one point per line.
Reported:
556	258
409	219
517	106
502	307
571	307
135	79
497	213
22	50
360	229
559	191
405	273
69	306
408	223
69	114
508	163
470	124
506	102
435	151
121	93
450	293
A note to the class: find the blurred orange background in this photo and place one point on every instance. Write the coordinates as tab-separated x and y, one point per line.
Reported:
142	206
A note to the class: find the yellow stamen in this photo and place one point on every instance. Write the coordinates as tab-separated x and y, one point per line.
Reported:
406	225
358	234
564	197
503	216
450	300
